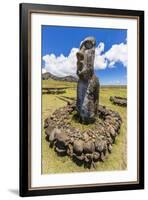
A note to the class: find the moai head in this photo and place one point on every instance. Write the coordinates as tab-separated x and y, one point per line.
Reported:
85	58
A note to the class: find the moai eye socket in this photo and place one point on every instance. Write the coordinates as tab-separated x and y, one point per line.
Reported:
88	44
80	56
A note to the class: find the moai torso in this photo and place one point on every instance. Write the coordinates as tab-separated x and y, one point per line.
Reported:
88	83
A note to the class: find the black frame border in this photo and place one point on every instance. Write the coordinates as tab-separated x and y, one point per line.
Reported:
25	9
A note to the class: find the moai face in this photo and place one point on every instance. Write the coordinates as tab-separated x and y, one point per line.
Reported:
85	58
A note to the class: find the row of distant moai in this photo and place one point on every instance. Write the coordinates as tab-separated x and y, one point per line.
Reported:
88	84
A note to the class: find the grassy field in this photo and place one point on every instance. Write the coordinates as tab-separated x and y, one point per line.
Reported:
51	162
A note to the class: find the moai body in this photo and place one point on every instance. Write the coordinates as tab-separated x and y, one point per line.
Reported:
88	84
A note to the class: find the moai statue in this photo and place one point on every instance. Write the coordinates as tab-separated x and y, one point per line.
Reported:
88	84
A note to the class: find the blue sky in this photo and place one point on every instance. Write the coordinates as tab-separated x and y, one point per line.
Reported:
59	45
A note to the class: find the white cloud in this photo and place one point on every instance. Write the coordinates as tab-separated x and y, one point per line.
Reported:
100	48
61	65
43	71
117	53
100	61
64	66
111	64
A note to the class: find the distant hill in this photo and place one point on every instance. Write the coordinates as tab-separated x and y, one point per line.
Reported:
48	75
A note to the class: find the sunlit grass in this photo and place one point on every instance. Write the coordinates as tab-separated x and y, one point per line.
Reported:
57	84
52	163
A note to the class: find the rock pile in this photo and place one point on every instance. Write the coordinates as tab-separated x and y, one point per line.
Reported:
87	146
119	101
46	90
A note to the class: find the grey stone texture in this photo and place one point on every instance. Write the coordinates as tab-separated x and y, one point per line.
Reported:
119	101
83	146
88	84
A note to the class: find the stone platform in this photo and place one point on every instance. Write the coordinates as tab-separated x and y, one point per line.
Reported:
119	101
88	144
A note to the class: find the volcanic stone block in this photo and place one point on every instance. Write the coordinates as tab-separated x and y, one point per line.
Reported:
88	84
119	101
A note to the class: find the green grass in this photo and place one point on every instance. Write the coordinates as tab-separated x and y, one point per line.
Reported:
57	84
52	163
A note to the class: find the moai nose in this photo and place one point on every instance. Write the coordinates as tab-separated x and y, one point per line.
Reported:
80	56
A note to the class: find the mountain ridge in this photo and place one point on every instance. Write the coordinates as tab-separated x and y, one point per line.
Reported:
48	75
